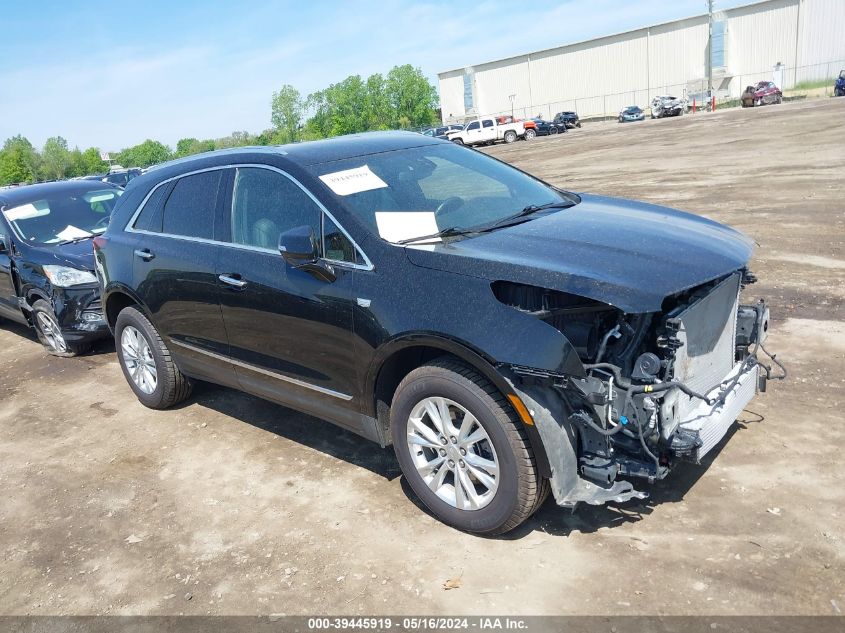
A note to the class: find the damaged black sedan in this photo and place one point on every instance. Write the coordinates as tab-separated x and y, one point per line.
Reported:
508	338
47	276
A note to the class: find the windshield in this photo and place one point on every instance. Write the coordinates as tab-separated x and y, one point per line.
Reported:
632	109
63	218
413	192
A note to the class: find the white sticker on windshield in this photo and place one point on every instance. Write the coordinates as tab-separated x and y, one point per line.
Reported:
72	233
349	181
402	225
28	211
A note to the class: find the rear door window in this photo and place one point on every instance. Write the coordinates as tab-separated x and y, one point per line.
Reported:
190	209
150	217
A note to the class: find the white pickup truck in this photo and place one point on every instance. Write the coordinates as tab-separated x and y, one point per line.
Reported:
487	131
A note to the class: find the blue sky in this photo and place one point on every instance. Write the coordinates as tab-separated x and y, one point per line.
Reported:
113	74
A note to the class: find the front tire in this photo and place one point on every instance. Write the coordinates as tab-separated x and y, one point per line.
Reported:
50	333
146	362
462	449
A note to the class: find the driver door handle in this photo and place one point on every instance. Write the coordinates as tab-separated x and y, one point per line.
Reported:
233	281
144	254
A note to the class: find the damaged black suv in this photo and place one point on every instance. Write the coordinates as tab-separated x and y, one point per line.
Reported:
47	264
507	338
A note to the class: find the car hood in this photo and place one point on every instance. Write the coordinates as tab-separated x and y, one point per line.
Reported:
75	254
627	254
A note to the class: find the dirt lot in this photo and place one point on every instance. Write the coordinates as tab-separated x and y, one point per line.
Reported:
232	505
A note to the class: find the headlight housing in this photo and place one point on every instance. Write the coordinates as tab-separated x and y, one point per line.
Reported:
65	277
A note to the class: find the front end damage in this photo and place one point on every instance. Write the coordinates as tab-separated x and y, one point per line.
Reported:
656	389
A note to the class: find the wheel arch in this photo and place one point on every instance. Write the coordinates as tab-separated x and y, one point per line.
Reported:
397	358
30	294
115	299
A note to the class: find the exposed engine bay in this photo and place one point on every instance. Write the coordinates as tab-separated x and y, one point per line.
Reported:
657	388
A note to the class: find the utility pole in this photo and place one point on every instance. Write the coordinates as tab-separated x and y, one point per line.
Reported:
710	48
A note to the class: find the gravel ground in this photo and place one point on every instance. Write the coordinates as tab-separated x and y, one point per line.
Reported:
231	505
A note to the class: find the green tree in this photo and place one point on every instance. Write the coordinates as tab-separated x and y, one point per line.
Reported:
56	159
286	114
19	162
144	154
92	163
377	114
184	147
190	146
339	109
235	139
266	137
411	96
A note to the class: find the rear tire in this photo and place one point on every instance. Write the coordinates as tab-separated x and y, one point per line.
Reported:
499	477
553	131
510	136
146	362
50	334
530	134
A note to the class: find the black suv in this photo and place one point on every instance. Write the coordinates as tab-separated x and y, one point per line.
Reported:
568	118
505	336
47	264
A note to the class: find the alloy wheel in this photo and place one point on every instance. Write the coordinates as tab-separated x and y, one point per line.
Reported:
52	334
138	358
453	453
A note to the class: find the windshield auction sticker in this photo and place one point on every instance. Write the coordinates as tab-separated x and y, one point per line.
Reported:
349	181
402	225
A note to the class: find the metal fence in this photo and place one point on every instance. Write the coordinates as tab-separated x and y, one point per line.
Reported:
794	81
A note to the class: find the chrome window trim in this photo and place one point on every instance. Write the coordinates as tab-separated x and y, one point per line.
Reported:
129	228
266	372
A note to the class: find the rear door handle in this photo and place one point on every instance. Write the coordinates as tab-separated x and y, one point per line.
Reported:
144	254
230	280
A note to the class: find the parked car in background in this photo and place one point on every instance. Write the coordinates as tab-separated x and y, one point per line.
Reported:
487	130
548	128
839	85
631	113
667	105
762	93
47	276
528	124
507	338
441	131
120	177
569	118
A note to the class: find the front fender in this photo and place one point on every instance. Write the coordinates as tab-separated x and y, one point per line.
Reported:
461	349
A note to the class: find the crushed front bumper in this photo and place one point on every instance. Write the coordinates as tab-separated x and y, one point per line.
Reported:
80	314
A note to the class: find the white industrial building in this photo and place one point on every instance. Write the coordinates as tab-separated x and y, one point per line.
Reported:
601	76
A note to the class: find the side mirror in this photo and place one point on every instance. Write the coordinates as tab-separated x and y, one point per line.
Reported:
299	246
4	248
